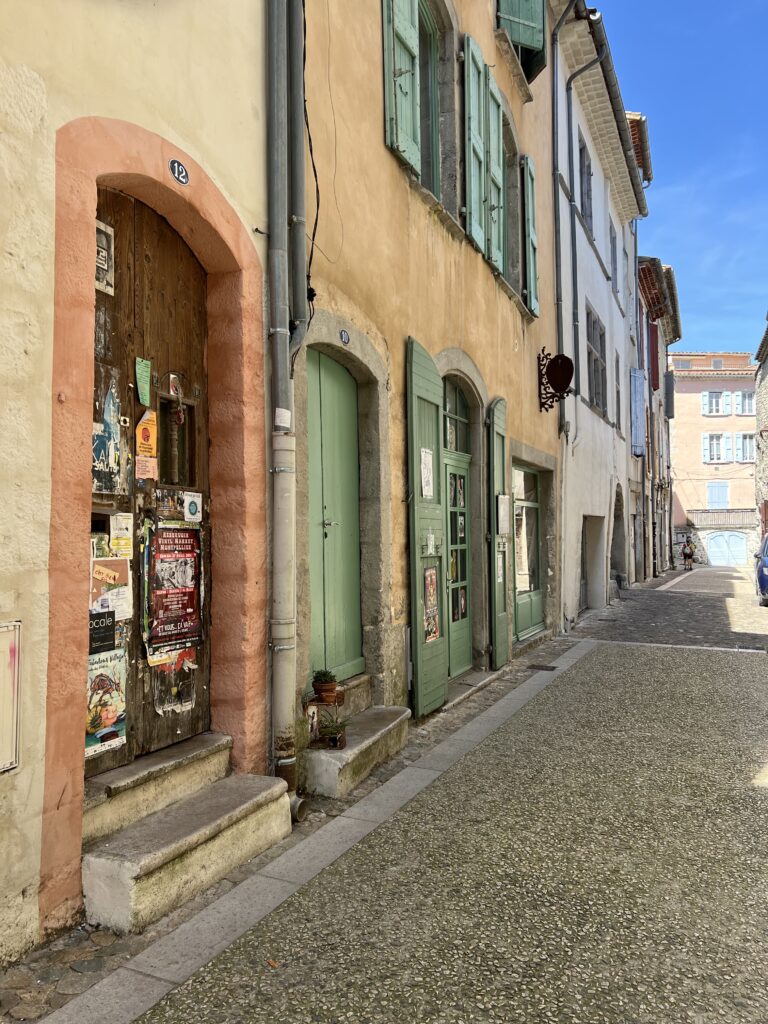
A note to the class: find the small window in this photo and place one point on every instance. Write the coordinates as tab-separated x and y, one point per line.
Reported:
428	101
748	403
614	257
456	410
748	447
715	403
596	370
585	183
682	364
717	364
513	261
618	394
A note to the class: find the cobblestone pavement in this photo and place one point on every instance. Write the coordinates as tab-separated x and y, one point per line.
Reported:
599	859
51	976
708	607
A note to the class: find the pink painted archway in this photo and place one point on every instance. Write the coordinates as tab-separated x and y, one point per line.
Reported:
95	151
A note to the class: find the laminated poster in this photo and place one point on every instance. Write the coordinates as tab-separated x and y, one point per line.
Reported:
427	482
143	377
175	617
121	534
111	588
105	714
431	609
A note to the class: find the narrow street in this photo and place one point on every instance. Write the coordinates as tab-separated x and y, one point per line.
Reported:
590	848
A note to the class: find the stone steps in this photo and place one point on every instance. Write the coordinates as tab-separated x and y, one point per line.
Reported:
136	875
373	736
120	797
358	694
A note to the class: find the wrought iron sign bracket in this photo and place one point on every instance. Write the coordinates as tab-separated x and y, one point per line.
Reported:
555	375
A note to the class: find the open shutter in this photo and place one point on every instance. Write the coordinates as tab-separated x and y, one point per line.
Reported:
727	404
523	21
727	448
637	410
429	643
499	502
738	402
474	113
705	447
739	447
496	206
401	86
531	242
704	403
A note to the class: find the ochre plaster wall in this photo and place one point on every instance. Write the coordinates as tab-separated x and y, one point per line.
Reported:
387	265
151	66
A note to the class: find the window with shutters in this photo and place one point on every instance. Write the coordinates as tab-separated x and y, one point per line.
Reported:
747	448
746	407
524	23
596	370
618	395
717	495
420	93
717	447
614	257
714	403
513	261
531	249
585	184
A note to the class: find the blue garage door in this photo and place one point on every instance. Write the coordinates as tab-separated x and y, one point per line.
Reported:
727	549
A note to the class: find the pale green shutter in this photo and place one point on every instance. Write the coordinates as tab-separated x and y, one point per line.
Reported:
474	114
496	218
523	21
531	243
497	478
401	74
429	643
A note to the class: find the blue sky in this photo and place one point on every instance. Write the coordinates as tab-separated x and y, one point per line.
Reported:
696	69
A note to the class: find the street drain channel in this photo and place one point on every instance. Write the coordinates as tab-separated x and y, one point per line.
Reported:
542	668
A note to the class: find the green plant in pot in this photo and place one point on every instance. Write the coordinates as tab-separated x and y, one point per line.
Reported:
333	730
324	684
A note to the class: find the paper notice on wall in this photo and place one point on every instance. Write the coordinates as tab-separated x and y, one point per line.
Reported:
499	566
283	419
111	588
105	714
145	468
193	507
146	435
427	481
502	514
121	534
105	258
143	377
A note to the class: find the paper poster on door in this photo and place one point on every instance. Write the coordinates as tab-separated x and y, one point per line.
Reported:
499	566
105	714
105	462
427	481
193	507
111	588
121	534
101	632
175	618
143	378
146	436
431	606
105	258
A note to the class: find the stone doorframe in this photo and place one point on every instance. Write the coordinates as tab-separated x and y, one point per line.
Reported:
454	362
383	642
92	152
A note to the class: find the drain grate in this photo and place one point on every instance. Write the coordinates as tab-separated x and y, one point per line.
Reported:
542	668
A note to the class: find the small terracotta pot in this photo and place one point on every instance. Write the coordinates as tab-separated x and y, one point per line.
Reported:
325	692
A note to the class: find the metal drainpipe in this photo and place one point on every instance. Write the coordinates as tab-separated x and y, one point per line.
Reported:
298	219
652	418
283	617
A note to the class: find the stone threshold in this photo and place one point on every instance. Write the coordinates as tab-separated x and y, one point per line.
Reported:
143	981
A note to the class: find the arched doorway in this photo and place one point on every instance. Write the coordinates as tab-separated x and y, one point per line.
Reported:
457	462
618	538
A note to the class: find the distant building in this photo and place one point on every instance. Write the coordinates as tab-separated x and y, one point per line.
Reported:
713	455
761	432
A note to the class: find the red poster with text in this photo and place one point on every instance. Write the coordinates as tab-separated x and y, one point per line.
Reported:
174	605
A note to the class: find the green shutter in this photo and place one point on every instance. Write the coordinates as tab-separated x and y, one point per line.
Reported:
497	475
496	217
401	74
531	244
474	114
429	652
523	21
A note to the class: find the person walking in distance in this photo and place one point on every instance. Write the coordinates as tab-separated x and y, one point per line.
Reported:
687	551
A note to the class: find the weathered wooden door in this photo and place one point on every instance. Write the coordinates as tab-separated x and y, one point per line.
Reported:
499	516
429	642
459	568
148	679
334	530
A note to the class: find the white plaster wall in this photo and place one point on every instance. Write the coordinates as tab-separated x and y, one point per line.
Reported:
151	64
597	455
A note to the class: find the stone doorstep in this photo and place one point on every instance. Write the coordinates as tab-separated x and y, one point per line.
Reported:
358	695
152	782
137	875
522	647
373	736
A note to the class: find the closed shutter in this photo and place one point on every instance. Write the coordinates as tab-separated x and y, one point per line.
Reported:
497	473
738	402
531	242
475	118
496	206
726	403
739	440
637	410
429	643
401	86
704	403
654	339
523	21
669	394
705	447
727	448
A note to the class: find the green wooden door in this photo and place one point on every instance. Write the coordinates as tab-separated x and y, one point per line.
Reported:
529	602
499	509
458	567
429	642
334	518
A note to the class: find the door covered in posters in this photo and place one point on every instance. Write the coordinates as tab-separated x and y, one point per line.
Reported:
147	680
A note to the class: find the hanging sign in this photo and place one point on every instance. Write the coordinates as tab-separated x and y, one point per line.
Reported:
175	618
143	377
146	435
105	714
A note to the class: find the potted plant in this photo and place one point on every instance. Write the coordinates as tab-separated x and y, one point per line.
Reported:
324	684
333	730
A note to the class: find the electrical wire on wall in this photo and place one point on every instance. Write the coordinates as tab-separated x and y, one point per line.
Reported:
311	293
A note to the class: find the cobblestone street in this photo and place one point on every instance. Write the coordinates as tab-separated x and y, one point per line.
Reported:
583	844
